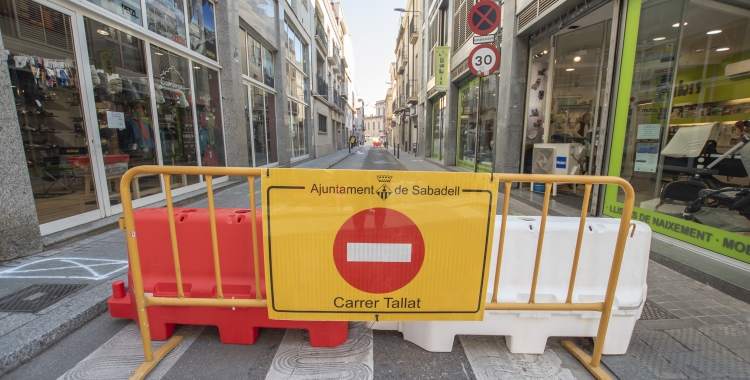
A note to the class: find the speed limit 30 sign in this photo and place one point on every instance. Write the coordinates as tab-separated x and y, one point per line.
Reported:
484	60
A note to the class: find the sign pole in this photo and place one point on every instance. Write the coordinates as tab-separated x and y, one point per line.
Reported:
476	130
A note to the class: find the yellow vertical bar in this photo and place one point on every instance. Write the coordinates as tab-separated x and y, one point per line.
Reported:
173	235
506	203
581	225
545	209
254	224
614	273
135	264
214	238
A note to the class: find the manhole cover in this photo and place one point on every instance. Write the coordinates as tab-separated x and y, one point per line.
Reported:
36	297
652	311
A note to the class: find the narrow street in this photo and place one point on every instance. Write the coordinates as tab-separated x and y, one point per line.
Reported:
111	348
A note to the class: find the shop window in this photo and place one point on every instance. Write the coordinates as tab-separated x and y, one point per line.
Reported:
476	127
123	105
45	84
167	19
129	10
174	113
672	154
438	128
208	111
298	129
262	126
202	27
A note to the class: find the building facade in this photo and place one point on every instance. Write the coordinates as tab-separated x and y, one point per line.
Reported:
93	88
623	87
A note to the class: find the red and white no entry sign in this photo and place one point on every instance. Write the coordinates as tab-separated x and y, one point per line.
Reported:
484	60
484	17
378	250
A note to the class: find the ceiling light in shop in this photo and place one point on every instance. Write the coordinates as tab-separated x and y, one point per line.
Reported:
569	69
675	25
717	31
102	32
660	38
577	59
722	49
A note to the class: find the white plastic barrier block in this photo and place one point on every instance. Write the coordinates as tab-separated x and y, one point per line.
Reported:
527	331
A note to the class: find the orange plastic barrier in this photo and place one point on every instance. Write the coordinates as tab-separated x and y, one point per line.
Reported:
236	325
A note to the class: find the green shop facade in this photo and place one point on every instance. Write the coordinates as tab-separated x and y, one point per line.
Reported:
682	96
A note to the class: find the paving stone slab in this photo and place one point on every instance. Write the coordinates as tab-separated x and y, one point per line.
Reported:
729	336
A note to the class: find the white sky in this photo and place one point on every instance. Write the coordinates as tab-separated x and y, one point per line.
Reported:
373	25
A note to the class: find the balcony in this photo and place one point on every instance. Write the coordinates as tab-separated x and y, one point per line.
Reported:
322	86
412	97
413	34
341	72
334	58
320	35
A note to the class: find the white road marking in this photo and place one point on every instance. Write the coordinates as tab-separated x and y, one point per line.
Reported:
75	268
296	359
121	355
490	359
378	252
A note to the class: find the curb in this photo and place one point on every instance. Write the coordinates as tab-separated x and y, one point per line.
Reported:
111	222
31	339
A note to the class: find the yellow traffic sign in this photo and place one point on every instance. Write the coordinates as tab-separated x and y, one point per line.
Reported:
377	245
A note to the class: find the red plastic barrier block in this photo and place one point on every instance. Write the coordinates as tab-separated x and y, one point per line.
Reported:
234	232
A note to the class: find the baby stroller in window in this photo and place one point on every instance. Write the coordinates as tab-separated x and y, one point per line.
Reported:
706	199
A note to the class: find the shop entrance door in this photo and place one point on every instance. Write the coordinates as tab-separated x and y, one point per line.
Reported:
45	67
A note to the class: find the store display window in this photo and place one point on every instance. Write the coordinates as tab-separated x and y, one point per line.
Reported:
123	107
262	151
438	128
45	82
127	9
476	129
167	18
682	144
174	113
208	111
202	27
298	128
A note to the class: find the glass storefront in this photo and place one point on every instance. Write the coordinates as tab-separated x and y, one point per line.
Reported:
208	110
141	109
476	129
262	127
123	107
438	127
690	102
566	97
45	82
174	112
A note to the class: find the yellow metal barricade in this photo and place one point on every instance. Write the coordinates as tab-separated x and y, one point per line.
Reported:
590	362
141	299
